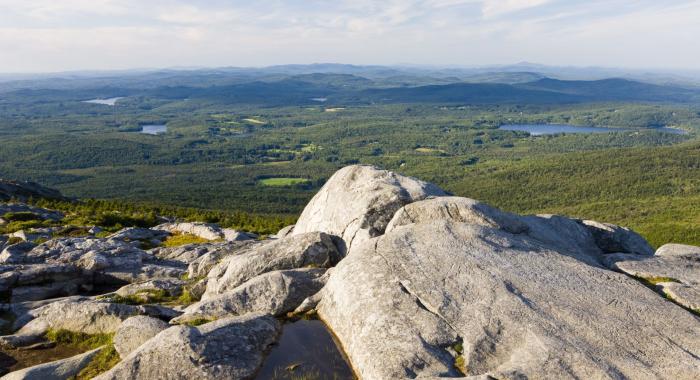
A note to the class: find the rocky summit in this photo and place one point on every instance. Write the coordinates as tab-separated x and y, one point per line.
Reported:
412	282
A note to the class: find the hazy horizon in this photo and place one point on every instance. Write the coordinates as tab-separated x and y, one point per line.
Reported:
46	36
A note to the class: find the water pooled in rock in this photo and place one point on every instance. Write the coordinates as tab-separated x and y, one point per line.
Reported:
306	349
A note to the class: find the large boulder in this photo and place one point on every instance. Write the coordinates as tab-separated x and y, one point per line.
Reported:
81	315
358	202
230	348
515	305
313	249
614	239
681	250
674	269
135	331
274	293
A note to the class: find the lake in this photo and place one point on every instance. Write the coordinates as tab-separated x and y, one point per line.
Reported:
154	129
106	102
551	129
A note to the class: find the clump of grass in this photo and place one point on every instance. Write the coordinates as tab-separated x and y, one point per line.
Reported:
102	234
659	279
145	296
183	239
14	240
186	298
21	216
78	339
460	364
103	361
197	322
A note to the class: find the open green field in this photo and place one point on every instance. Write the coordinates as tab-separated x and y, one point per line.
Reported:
284	181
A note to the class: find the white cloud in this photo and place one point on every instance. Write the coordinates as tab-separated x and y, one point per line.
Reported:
51	35
493	8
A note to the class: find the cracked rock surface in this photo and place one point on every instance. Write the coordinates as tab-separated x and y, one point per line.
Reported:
520	307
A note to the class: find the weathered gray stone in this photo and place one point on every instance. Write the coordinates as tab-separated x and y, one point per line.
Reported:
678	250
80	315
675	269
274	293
463	210
520	307
142	273
312	249
170	286
358	202
16	253
207	231
50	290
135	331
613	239
284	232
230	348
88	253
235	235
138	233
57	370
565	235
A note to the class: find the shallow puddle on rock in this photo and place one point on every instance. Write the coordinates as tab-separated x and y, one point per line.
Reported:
13	360
306	351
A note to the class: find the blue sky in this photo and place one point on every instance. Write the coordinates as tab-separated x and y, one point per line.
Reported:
59	35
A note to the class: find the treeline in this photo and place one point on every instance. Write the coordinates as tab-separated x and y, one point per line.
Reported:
116	214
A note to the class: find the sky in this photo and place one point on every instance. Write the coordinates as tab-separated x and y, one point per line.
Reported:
68	35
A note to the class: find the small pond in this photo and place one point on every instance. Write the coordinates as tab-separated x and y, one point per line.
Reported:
153	129
551	129
306	350
106	102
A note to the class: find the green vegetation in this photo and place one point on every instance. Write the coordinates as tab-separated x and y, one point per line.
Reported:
14	240
177	240
113	215
20	216
103	361
257	155
146	296
198	322
79	339
283	181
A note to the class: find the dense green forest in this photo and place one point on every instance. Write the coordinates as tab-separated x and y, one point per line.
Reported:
253	153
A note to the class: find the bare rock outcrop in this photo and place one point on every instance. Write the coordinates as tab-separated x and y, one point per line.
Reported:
517	306
358	202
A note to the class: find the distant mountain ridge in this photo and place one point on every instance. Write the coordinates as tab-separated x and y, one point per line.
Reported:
350	85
